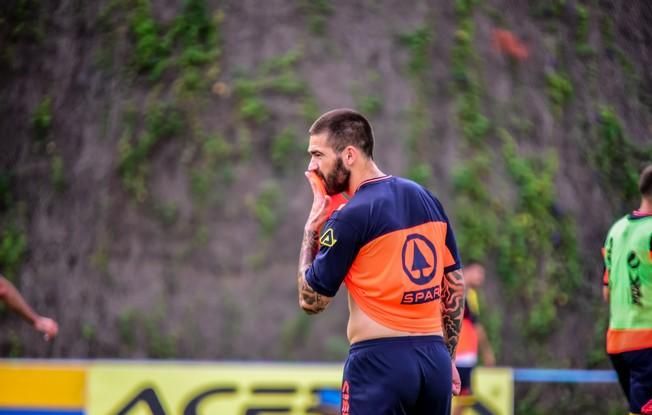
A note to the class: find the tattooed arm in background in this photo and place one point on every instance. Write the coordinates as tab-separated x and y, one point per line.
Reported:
309	300
452	308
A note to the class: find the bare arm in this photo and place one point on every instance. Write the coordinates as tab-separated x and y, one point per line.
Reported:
487	352
452	308
10	295
606	254
605	285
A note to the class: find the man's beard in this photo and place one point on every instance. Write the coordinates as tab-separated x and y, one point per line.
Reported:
338	180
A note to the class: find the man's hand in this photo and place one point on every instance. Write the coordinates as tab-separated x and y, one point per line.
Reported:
47	326
320	202
457	383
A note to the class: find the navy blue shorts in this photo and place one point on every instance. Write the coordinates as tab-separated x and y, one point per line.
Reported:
634	371
397	375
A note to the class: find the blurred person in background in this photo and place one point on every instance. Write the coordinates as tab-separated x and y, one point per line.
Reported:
12	298
473	337
393	247
628	290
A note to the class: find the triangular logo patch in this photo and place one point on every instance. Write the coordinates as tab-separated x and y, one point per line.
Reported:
328	238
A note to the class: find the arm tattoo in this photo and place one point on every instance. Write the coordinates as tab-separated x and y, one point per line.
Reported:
310	301
452	308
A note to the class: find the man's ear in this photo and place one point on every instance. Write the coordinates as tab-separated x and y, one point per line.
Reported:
350	155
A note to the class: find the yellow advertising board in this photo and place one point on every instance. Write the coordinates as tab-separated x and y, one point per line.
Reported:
52	387
493	392
177	388
247	389
211	388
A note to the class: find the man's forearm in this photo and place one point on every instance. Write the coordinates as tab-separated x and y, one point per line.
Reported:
310	301
452	304
10	295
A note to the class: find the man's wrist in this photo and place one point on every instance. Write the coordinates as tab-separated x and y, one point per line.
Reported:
32	318
452	351
311	230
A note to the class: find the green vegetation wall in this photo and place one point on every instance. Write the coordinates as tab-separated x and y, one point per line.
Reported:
151	157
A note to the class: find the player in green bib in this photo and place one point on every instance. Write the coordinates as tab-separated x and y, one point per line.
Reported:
628	289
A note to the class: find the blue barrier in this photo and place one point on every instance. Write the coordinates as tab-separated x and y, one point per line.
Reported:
564	376
330	397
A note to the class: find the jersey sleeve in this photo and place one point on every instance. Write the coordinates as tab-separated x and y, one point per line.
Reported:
451	256
338	248
452	261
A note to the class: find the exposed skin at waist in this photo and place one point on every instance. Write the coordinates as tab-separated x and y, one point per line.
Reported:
362	327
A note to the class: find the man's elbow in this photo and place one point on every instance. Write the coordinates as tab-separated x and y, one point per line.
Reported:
310	301
309	308
461	287
458	288
303	305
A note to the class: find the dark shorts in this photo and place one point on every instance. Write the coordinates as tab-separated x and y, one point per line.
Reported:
397	375
634	371
465	377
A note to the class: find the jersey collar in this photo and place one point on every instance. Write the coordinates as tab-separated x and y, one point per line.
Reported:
373	180
637	214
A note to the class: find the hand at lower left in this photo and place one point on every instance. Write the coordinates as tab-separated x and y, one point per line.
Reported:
47	326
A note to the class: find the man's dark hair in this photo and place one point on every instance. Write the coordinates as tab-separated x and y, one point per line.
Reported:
345	127
645	182
472	262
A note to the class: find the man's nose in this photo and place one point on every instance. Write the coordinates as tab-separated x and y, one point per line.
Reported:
312	165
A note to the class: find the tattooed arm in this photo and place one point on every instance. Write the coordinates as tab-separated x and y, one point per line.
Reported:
309	300
452	308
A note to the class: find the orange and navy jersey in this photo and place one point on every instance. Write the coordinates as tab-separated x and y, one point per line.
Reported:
391	245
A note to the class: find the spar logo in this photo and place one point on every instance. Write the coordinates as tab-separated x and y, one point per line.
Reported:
419	259
419	264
